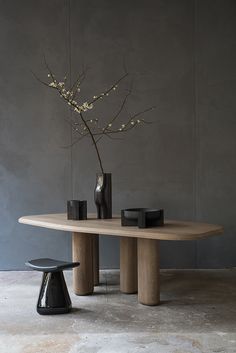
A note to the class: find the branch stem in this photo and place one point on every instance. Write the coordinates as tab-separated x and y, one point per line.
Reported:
94	141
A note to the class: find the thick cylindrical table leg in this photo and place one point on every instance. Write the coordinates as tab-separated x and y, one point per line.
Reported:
128	265
96	260
82	251
148	272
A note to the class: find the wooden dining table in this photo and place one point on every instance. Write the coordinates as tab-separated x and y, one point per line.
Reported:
139	250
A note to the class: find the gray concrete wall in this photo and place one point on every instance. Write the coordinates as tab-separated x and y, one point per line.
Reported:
181	55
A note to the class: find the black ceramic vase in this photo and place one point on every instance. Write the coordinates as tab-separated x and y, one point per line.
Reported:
103	195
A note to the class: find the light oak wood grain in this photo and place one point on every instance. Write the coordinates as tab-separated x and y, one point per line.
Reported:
96	260
172	230
128	265
82	251
148	272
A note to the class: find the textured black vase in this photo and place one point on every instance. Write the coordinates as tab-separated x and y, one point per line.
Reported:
103	195
76	209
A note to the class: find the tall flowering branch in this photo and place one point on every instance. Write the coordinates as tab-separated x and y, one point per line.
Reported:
92	127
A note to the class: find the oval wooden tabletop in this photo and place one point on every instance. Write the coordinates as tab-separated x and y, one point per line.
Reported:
172	230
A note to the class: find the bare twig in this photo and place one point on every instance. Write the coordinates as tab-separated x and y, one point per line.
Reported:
38	79
78	83
94	142
48	68
75	142
109	90
119	111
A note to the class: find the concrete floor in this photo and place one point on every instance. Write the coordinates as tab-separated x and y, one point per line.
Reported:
197	314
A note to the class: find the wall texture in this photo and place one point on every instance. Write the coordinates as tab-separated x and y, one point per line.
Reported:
181	56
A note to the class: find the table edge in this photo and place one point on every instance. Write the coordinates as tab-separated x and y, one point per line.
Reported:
125	233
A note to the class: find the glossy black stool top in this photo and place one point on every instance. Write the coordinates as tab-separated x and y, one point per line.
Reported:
50	265
53	295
